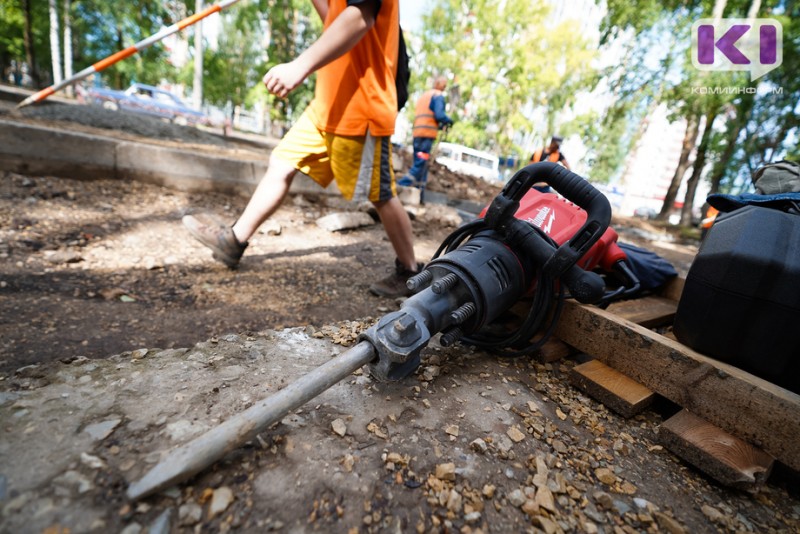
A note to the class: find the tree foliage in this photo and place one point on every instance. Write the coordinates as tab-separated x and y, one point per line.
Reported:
255	35
748	124
505	66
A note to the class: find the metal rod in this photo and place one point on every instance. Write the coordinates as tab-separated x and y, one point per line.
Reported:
193	457
122	54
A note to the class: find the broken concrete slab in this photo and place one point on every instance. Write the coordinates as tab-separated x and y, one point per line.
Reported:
336	222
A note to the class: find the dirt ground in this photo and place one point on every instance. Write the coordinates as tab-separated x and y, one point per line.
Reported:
95	275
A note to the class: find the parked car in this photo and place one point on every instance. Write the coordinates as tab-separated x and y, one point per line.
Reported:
645	212
148	100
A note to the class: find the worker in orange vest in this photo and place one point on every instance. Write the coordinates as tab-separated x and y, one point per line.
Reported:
708	221
429	118
551	153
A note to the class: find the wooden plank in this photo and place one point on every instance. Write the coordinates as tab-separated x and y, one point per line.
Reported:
554	350
748	407
615	390
673	289
724	457
650	311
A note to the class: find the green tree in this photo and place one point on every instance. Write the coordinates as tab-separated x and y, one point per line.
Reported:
736	126
505	65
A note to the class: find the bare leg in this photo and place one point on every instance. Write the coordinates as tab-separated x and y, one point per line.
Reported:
398	228
266	199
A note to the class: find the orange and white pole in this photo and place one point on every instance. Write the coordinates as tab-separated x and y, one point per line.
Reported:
122	54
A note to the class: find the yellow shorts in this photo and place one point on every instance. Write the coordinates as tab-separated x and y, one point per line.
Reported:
361	165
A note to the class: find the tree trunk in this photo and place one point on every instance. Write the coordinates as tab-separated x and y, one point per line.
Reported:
719	8
753	11
197	83
55	45
697	170
689	140
743	111
30	51
68	44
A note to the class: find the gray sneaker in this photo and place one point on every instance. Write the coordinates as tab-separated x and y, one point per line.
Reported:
218	237
394	285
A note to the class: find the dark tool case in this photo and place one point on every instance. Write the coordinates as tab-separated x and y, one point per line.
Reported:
741	301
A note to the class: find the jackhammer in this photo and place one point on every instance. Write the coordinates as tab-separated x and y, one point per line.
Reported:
526	246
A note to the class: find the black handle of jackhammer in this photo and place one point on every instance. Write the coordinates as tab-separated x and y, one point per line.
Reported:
573	188
585	286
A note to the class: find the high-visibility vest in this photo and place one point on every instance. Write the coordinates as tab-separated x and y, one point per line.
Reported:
552	156
711	216
425	124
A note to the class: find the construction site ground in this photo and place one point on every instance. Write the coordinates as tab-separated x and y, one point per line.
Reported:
120	338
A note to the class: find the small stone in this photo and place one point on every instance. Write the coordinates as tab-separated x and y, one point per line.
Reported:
603	499
504	444
189	514
472	517
561	415
451	430
395	458
549	526
454	501
92	462
446	471
605	475
517	498
100	431
479	445
222	498
74	479
669	524
544	498
530	507
515	434
621	507
714	515
339	427
488	491
348	461
628	488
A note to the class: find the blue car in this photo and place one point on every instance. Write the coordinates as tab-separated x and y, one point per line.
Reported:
148	100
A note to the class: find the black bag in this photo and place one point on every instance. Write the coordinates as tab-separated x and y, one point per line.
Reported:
403	73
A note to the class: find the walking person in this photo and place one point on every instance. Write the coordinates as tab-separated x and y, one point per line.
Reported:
343	134
429	118
550	153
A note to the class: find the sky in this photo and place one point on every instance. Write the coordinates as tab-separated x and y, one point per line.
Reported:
411	14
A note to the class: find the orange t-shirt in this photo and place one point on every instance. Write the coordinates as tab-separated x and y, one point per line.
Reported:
357	90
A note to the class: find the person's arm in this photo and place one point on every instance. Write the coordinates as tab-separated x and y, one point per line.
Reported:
321	6
563	160
438	106
338	39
